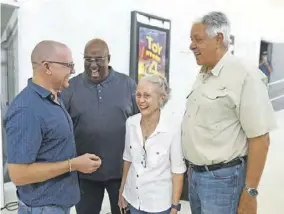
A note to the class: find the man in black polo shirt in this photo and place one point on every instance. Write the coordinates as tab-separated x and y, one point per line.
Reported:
99	101
41	150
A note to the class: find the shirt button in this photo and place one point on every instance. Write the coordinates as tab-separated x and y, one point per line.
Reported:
157	153
137	176
136	187
99	90
100	98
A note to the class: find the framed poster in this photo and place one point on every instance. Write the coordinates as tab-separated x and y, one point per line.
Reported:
149	45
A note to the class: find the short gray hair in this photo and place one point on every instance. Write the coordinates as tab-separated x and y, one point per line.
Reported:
162	84
217	22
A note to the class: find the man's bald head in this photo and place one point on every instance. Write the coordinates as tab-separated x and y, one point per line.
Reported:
99	44
47	50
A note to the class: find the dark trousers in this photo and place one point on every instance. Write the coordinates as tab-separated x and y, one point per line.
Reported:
92	195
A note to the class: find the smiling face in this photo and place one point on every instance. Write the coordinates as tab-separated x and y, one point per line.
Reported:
204	47
60	68
96	61
148	98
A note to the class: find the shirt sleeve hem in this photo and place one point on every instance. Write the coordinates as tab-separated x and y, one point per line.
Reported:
22	161
125	158
179	170
254	134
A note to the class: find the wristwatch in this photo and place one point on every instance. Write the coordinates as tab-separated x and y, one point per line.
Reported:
177	207
251	191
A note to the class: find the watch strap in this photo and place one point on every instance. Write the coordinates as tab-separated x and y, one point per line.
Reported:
177	207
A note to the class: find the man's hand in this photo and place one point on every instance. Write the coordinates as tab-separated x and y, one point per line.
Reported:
247	204
86	163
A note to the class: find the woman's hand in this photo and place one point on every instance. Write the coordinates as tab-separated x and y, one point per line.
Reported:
173	211
122	203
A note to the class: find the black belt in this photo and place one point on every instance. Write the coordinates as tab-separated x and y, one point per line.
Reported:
217	166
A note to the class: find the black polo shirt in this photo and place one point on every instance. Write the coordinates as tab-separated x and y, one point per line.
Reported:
99	113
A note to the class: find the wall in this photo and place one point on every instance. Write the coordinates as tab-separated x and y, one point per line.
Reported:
76	23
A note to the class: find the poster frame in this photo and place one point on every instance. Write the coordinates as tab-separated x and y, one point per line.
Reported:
134	42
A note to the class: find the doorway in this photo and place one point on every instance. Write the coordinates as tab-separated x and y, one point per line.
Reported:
8	79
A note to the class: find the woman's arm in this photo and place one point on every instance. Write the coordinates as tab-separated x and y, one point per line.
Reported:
178	168
126	167
177	187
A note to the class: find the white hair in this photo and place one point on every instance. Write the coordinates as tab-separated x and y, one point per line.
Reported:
162	84
217	22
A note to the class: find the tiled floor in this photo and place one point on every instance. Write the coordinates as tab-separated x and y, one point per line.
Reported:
271	199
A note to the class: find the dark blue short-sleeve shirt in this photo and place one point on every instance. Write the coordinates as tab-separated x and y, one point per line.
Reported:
39	130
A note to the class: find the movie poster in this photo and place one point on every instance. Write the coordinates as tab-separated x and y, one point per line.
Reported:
151	52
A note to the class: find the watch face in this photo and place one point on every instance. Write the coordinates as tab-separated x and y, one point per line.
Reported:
253	192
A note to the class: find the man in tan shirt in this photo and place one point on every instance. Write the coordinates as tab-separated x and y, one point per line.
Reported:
225	129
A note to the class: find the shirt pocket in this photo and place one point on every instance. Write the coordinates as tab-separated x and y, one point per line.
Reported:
216	105
157	156
192	106
136	152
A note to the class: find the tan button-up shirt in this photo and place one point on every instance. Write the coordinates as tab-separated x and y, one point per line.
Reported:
224	108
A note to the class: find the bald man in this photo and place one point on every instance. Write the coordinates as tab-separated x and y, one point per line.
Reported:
41	150
99	101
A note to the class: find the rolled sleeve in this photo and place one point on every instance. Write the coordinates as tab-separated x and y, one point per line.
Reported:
176	154
127	153
256	112
23	132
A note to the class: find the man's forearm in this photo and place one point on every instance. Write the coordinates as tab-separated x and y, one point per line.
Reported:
258	149
177	187
23	174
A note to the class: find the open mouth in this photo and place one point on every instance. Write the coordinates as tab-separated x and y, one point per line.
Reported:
95	73
197	54
143	107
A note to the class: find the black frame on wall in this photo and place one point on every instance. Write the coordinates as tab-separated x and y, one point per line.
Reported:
134	41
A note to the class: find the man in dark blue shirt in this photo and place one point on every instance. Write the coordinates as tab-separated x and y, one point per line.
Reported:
41	150
99	102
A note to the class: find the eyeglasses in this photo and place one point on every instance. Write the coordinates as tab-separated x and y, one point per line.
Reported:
97	60
144	156
70	65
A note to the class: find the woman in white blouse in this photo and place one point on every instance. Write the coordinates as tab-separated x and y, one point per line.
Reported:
153	160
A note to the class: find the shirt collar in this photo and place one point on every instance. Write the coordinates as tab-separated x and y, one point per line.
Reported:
109	78
44	93
218	67
163	125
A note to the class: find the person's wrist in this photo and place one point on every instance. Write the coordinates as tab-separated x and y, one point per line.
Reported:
176	206
73	163
121	189
251	191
